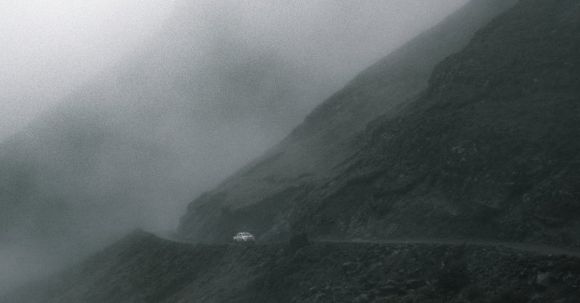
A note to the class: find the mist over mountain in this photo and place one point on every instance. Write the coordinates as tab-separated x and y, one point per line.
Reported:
283	185
214	88
446	172
219	84
487	149
52	47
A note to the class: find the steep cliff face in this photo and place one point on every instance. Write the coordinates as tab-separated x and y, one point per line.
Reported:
489	150
268	195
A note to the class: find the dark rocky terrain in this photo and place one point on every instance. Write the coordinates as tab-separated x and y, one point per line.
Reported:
488	149
143	268
309	156
456	136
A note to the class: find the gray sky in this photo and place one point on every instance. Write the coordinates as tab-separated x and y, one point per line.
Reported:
50	46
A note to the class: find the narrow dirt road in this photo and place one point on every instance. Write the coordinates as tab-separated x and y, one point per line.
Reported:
538	249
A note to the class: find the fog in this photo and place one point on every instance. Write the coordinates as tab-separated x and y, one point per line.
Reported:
124	111
49	47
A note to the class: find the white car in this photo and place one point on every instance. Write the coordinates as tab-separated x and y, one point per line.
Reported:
244	237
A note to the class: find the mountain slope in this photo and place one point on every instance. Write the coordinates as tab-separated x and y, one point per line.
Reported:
489	150
218	85
143	268
261	196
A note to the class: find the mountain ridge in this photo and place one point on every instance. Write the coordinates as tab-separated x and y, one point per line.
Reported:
308	157
486	152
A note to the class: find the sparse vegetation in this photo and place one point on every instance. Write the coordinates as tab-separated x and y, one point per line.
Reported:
143	268
488	150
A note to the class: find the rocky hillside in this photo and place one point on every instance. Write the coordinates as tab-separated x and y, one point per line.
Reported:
143	268
487	150
270	195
